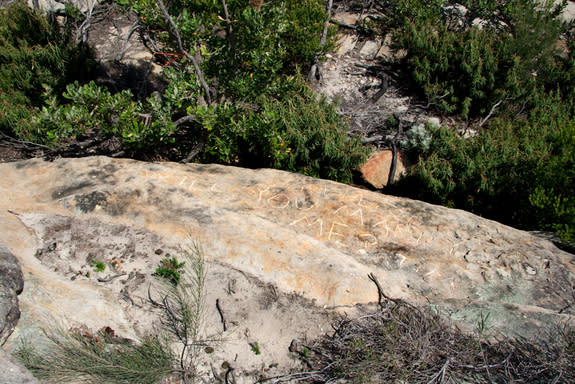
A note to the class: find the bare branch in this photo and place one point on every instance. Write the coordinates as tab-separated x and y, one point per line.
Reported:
82	32
313	73
23	144
484	120
219	308
441	372
176	33
185	119
110	278
133	29
380	293
195	151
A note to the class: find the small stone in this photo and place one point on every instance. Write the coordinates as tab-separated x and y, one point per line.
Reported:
529	269
376	169
370	49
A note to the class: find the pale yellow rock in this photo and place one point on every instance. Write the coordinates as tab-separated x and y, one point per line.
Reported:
314	238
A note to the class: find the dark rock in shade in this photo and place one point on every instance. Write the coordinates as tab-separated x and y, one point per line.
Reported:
11	285
12	372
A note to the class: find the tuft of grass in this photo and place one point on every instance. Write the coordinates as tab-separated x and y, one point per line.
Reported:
255	348
75	356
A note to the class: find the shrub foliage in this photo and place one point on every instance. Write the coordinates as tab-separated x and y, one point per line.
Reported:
235	95
498	70
34	52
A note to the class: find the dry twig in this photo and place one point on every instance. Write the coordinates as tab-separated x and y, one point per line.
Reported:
176	33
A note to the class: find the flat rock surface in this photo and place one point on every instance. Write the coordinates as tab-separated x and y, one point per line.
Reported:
285	252
13	372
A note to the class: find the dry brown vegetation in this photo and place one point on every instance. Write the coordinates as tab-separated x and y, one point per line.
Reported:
401	343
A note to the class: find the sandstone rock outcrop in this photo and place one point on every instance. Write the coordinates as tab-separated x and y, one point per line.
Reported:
377	168
13	372
283	250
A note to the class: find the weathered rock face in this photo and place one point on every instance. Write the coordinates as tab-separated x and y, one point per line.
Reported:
316	238
281	247
13	372
377	168
11	285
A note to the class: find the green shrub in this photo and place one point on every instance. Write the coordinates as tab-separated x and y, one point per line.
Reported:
261	114
33	52
506	78
92	110
467	72
520	172
294	130
553	196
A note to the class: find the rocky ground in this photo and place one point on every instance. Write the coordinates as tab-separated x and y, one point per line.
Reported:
286	256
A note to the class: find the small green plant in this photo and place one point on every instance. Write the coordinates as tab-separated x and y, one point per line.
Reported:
99	266
482	324
255	347
170	269
418	139
184	309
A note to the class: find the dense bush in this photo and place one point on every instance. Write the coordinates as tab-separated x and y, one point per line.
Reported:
519	172
259	113
294	130
493	57
92	110
236	92
33	53
496	69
